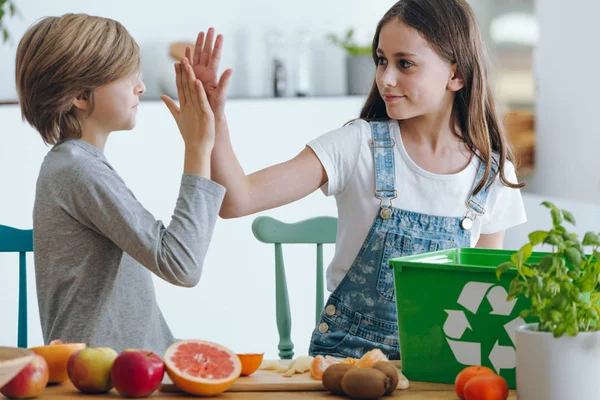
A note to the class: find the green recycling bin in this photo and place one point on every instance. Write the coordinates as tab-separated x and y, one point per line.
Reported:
452	313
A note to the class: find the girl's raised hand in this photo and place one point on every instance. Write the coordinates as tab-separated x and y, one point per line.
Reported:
206	65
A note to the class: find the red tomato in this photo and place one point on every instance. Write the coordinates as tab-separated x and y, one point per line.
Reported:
486	387
466	374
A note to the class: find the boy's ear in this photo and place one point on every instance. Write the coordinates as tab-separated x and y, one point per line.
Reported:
82	101
456	81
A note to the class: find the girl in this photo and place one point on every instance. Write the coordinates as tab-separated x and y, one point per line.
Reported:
95	244
426	167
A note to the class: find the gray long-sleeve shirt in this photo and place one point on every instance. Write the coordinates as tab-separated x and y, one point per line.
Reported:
95	247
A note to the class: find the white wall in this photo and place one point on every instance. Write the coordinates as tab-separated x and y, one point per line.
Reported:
568	133
245	24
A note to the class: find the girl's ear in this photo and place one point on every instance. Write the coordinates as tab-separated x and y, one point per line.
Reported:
82	101
456	81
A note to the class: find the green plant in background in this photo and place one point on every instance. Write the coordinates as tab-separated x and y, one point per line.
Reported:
562	285
7	8
348	43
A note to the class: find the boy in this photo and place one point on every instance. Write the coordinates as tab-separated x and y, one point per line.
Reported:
95	245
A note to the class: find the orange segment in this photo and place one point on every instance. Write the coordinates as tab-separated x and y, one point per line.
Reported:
370	358
320	364
57	355
202	368
350	360
250	362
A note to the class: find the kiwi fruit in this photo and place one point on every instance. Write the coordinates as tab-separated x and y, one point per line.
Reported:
390	370
365	383
332	377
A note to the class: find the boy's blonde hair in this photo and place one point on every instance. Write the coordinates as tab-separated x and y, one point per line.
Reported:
67	57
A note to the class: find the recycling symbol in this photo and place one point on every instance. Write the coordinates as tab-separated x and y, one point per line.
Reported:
469	353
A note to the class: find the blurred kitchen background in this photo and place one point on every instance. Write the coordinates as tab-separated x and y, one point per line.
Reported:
292	82
288	49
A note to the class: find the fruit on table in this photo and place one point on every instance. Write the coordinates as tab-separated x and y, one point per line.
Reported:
202	368
466	374
57	355
269	365
30	382
486	387
299	365
370	358
333	375
89	369
391	371
365	383
321	363
250	362
137	373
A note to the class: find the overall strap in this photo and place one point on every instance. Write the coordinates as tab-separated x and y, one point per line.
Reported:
385	172
476	202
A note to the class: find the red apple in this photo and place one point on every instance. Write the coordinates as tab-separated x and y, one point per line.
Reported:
89	369
30	382
137	373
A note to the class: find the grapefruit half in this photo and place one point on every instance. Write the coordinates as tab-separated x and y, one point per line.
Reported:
202	368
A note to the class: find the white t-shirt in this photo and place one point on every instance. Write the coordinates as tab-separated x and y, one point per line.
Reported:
347	157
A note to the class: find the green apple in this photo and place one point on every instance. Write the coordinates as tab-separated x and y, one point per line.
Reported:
89	369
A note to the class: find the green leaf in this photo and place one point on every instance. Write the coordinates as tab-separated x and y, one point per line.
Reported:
526	313
572	330
559	302
557	216
502	268
516	287
569	217
555	240
556	316
526	271
588	282
591	239
559	330
524	253
546	263
537	237
4	34
12	9
573	256
548	204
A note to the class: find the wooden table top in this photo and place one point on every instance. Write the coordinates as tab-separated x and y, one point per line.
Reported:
416	391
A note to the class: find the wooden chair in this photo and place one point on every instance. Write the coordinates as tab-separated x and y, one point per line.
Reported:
14	240
318	230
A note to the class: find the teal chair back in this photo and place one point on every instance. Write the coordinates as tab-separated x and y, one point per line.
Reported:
318	231
14	240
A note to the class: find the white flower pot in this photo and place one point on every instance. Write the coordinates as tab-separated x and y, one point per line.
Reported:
552	368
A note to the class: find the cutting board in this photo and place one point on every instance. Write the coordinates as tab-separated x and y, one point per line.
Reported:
263	381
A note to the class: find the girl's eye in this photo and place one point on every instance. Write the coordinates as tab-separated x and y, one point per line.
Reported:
381	61
405	64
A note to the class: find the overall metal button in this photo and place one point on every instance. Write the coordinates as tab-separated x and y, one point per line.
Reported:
323	327
330	309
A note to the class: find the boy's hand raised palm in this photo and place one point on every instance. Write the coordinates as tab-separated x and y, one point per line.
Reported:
206	64
194	115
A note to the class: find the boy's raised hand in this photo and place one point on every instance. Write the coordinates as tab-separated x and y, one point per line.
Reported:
194	115
206	65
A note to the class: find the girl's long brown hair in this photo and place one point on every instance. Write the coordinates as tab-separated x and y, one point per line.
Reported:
451	29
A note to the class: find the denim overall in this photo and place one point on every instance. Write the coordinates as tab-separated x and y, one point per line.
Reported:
360	314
